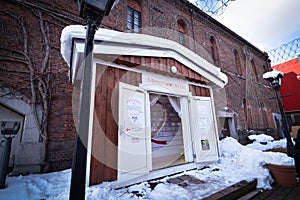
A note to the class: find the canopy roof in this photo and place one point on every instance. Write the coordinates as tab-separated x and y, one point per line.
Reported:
120	43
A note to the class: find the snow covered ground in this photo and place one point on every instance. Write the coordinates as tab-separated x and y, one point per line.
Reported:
237	163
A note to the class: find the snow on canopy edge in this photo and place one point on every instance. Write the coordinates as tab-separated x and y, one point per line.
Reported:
79	31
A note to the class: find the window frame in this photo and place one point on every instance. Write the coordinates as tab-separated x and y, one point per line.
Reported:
132	16
254	70
181	31
214	51
238	62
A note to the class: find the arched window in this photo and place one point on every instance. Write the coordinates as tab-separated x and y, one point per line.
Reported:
265	68
264	115
247	113
254	70
181	31
214	51
237	62
134	19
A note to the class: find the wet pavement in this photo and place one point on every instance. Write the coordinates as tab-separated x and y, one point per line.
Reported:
242	190
247	191
279	193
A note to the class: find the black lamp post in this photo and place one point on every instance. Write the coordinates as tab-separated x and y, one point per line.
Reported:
9	129
275	77
93	11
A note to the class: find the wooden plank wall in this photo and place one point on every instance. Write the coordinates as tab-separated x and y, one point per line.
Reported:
105	129
162	66
199	91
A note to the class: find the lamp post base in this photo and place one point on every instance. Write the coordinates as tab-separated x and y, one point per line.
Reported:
4	161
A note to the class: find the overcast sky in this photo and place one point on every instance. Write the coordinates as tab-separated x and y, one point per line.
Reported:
267	24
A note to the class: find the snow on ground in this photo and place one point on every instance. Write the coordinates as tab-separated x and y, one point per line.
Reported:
236	163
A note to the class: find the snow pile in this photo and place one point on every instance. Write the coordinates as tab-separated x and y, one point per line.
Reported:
38	186
236	163
265	142
249	163
261	138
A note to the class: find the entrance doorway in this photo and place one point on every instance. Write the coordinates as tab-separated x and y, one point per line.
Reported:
158	131
225	128
166	131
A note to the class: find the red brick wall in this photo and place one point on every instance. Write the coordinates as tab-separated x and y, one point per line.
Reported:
155	13
20	21
165	14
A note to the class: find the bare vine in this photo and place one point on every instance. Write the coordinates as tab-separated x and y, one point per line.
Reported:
39	76
44	81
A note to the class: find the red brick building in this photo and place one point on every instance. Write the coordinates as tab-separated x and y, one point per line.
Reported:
290	89
36	82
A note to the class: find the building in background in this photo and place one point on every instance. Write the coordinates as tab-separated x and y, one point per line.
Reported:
36	85
290	88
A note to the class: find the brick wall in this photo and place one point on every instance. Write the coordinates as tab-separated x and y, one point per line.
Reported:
21	24
19	16
200	28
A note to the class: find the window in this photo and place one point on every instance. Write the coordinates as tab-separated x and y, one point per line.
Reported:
214	51
254	70
265	68
134	17
237	62
264	115
247	113
181	31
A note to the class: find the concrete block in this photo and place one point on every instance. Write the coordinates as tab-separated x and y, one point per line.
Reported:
30	153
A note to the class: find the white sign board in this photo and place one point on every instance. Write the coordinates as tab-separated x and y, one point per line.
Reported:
164	84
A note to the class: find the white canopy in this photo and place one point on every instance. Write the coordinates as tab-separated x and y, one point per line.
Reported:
120	43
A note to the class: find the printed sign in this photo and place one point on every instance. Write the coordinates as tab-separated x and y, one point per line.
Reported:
205	145
135	123
135	109
202	120
165	84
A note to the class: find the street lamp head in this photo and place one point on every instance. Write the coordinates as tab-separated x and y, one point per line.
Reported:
95	7
274	77
10	128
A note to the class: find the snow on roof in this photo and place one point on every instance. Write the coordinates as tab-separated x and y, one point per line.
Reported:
133	43
272	74
79	31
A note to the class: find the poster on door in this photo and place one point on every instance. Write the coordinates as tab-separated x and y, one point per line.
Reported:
205	145
202	121
136	114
